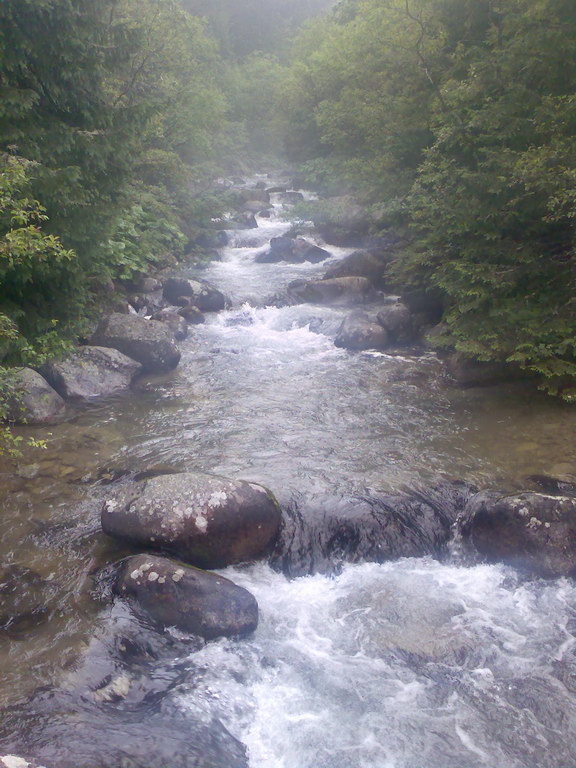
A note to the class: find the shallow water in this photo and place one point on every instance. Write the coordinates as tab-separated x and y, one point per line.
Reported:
413	664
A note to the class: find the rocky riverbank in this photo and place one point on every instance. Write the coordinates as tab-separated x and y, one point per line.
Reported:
166	524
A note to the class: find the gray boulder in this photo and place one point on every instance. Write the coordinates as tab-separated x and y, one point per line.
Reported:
147	341
91	372
255	193
199	293
195	601
293	250
339	291
530	531
359	264
397	319
23	595
360	331
208	521
291	197
192	314
30	399
174	321
255	206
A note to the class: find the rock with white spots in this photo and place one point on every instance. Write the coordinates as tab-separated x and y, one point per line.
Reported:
531	531
206	520
14	761
195	601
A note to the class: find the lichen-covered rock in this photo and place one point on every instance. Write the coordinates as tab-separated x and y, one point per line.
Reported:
90	372
208	521
361	331
195	601
31	400
398	321
199	292
339	291
531	531
147	341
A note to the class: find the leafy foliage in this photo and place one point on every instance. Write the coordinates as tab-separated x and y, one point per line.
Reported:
459	117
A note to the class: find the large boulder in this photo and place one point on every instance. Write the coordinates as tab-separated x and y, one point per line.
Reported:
199	293
209	239
531	531
173	320
255	193
359	264
147	341
90	372
397	319
291	197
342	221
294	250
468	372
320	533
208	521
339	291
30	399
255	206
195	601
360	331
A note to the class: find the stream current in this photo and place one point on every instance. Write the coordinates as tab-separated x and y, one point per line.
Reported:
410	664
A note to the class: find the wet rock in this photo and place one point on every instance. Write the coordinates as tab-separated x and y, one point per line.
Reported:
192	314
147	341
195	601
148	285
320	533
14	761
206	520
276	190
556	486
199	293
30	399
339	291
91	372
397	319
530	531
266	214
293	250
174	321
23	596
361	331
468	372
359	264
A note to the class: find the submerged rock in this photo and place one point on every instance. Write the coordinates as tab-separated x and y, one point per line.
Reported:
147	341
23	595
195	601
91	372
321	533
30	399
531	531
361	331
468	372
206	520
200	293
339	291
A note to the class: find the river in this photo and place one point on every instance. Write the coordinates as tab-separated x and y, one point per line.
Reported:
409	664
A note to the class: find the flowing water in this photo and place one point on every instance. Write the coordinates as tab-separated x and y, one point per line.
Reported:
411	664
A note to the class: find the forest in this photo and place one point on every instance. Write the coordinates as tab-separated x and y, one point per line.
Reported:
454	119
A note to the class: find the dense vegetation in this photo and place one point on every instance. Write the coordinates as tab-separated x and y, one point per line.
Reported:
458	119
